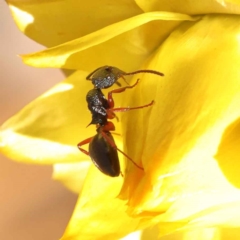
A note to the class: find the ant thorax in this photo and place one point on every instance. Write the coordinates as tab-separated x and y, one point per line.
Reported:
97	104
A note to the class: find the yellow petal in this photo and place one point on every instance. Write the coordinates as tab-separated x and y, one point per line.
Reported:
48	129
113	43
98	213
192	7
230	233
54	22
203	234
150	233
196	234
71	175
133	236
183	140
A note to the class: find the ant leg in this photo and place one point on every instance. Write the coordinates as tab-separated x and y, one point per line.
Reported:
129	158
111	111
109	140
86	141
118	90
124	109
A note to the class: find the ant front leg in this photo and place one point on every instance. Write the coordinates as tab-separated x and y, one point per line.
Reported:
124	109
118	90
86	141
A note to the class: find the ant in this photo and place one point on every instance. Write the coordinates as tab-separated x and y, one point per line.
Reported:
102	147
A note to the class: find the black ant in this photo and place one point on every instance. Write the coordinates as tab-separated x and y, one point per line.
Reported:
102	147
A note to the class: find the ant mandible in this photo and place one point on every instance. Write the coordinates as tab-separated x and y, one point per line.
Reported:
102	147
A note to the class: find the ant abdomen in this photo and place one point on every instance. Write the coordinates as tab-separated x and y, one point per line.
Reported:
104	155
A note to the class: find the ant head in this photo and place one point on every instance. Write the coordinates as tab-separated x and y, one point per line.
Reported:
105	77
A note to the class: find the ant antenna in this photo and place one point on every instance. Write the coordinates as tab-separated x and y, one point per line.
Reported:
144	71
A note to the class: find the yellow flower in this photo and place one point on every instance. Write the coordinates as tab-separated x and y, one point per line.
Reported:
187	141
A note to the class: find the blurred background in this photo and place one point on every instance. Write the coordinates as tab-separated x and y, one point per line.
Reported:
32	205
